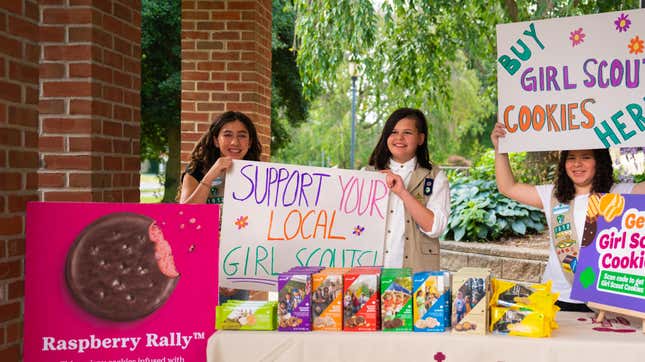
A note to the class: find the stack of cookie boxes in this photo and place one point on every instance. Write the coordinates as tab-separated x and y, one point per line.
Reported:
523	310
373	298
370	299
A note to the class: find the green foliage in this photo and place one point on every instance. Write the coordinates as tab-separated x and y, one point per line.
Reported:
484	168
160	74
462	103
411	53
161	87
639	178
329	126
439	56
325	139
328	30
405	48
479	213
288	106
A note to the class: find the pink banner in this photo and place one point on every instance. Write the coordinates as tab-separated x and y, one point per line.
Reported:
120	282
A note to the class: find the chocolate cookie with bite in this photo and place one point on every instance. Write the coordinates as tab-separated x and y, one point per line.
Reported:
120	267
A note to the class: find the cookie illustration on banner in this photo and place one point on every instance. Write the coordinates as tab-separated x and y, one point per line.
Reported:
589	233
611	205
593	207
120	267
591	223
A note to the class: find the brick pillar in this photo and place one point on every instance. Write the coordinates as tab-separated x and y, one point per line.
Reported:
226	66
69	121
89	100
18	159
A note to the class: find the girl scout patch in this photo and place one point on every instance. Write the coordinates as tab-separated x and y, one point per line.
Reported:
560	209
427	186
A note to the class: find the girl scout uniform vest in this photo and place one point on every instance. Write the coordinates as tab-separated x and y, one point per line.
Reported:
420	252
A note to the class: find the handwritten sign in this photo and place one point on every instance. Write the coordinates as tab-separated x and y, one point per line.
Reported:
572	83
279	216
611	269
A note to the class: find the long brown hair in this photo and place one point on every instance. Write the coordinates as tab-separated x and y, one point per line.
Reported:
380	157
602	181
205	154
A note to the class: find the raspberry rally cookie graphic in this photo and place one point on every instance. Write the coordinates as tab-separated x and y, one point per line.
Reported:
120	267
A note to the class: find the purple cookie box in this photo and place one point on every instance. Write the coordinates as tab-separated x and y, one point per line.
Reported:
294	310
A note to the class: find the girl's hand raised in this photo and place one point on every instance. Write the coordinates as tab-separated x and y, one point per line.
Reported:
394	182
219	168
223	163
498	131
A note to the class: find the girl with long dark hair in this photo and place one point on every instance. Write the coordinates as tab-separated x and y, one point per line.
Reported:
419	204
580	173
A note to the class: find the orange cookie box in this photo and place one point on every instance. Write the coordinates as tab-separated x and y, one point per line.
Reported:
327	299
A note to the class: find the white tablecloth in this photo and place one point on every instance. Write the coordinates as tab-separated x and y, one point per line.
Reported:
579	338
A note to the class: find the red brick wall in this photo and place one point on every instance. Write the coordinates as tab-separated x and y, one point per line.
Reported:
226	65
69	121
90	103
18	158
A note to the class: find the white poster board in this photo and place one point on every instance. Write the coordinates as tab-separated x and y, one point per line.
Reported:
278	216
572	83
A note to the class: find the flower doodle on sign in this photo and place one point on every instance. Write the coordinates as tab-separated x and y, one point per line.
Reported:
635	45
358	230
622	23
242	222
577	37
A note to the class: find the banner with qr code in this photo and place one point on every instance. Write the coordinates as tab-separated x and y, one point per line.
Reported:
610	269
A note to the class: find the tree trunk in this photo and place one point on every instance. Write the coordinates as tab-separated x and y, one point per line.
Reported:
511	10
172	166
544	165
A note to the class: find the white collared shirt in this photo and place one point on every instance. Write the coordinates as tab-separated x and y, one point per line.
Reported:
438	203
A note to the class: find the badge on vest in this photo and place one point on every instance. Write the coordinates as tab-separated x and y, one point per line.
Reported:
560	209
560	219
559	229
569	263
427	186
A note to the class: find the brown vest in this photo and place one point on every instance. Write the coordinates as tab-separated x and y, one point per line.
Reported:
420	252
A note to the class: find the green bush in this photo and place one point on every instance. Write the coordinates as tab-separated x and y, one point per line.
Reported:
523	168
479	213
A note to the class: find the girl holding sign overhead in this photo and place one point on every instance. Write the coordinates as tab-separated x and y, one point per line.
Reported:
232	136
419	204
580	173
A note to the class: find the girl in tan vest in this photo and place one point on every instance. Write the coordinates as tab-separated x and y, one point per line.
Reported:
419	204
